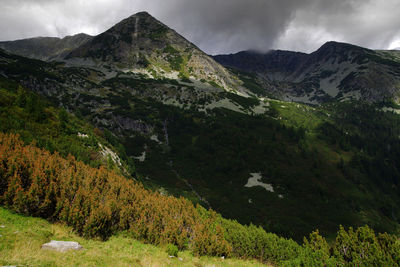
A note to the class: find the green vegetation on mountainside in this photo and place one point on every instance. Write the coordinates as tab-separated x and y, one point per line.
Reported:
37	120
215	154
99	203
209	156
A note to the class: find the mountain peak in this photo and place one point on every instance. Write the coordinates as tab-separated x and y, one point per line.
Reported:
143	42
126	39
139	16
333	46
78	35
142	14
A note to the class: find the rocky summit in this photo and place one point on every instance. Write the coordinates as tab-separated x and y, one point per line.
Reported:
142	43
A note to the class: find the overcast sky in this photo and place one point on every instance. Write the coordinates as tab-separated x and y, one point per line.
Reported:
218	26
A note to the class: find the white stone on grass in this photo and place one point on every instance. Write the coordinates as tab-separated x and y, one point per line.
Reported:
62	246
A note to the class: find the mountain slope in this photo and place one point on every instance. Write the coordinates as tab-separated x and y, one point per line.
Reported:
336	71
308	169
35	119
45	48
288	167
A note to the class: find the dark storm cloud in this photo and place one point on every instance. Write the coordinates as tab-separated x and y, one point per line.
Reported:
223	26
217	26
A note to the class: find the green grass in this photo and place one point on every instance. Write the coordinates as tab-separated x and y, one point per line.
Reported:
299	115
21	239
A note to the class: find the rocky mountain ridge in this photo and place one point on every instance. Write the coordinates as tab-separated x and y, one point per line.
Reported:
142	45
336	71
45	48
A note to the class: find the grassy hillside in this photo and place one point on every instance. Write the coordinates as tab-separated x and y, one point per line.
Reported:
21	239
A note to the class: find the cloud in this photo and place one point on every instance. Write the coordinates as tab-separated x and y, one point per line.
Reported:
366	23
216	26
227	26
30	18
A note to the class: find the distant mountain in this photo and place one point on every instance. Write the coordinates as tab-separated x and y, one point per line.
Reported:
336	71
45	48
272	61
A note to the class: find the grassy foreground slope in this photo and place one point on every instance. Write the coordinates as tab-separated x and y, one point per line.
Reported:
22	237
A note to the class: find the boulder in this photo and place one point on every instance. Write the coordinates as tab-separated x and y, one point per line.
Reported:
62	246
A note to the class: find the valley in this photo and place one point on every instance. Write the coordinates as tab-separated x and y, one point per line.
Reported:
285	141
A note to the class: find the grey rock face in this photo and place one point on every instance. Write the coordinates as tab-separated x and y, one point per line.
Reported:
62	246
